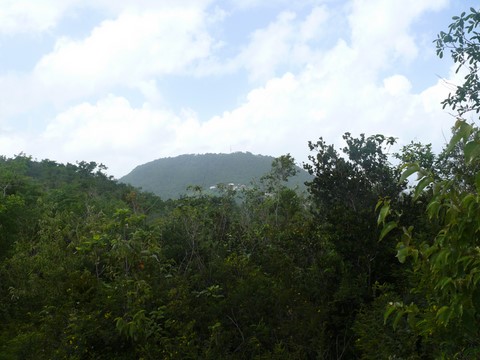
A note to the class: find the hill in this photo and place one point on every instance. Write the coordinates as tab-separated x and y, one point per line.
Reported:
170	177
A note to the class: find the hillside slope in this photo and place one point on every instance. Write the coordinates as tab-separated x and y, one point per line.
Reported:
170	177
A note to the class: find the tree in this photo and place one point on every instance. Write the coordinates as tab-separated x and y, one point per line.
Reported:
463	41
344	192
355	180
442	305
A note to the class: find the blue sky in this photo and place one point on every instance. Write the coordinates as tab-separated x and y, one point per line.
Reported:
125	82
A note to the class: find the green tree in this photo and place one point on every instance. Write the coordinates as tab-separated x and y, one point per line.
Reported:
442	305
344	192
462	40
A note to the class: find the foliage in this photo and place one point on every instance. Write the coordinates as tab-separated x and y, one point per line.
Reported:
445	263
108	272
463	40
353	182
345	190
441	305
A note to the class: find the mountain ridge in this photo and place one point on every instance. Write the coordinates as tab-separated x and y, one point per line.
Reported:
169	177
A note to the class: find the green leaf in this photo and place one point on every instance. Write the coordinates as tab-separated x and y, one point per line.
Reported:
468	200
387	228
444	282
443	315
462	131
391	308
414	255
422	184
410	169
472	151
402	254
384	211
441	258
398	318
476	279
465	260
380	202
433	209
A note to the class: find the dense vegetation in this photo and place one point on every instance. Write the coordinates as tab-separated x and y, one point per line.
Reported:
366	266
170	178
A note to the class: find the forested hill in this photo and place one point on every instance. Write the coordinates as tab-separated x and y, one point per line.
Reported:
170	177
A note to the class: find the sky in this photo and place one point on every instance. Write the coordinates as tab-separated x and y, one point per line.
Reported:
126	82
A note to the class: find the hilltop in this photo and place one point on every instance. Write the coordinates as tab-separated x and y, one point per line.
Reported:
170	177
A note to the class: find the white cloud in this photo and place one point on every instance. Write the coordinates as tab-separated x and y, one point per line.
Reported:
110	131
381	29
397	85
144	39
23	16
269	47
284	42
31	16
18	93
289	111
250	4
312	27
126	51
